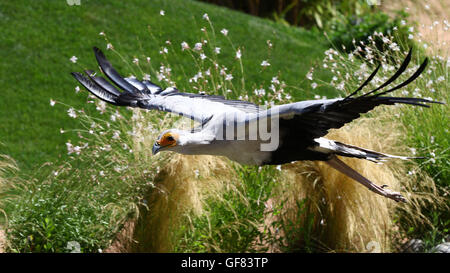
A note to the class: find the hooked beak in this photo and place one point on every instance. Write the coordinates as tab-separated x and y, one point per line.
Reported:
156	148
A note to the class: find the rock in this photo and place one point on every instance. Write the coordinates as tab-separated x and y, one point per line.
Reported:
413	246
442	248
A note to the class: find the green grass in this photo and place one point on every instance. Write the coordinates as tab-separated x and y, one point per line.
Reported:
36	53
69	200
234	221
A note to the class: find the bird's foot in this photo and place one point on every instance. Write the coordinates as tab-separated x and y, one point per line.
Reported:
396	196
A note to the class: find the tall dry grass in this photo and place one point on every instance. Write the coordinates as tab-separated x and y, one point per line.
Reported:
8	168
315	205
312	207
348	217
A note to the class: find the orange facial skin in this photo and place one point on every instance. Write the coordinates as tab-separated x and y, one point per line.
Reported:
168	140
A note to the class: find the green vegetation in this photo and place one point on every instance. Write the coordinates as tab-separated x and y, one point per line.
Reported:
234	222
70	200
98	173
425	132
46	34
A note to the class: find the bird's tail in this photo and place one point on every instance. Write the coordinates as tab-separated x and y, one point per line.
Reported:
335	148
342	149
337	164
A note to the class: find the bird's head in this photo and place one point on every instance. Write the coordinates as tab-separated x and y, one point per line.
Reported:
166	140
179	141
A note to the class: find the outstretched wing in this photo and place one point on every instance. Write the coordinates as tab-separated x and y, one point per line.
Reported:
147	95
312	119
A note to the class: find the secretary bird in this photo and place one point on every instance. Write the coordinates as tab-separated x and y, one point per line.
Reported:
296	129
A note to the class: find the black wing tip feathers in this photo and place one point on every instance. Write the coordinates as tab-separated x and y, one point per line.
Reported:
98	53
97	50
399	72
76	75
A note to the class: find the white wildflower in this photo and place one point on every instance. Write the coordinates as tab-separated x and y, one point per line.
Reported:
206	17
164	51
224	32
109	46
198	46
309	75
314	85
265	63
275	80
69	148
217	50
162	13
238	54
394	47
101	107
72	113
260	92
340	86
52	102
73	59
184	46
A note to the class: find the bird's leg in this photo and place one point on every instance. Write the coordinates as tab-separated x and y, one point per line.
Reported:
345	169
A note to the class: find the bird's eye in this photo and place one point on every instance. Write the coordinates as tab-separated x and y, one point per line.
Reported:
170	138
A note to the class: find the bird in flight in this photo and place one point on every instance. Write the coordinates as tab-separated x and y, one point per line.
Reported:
249	134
